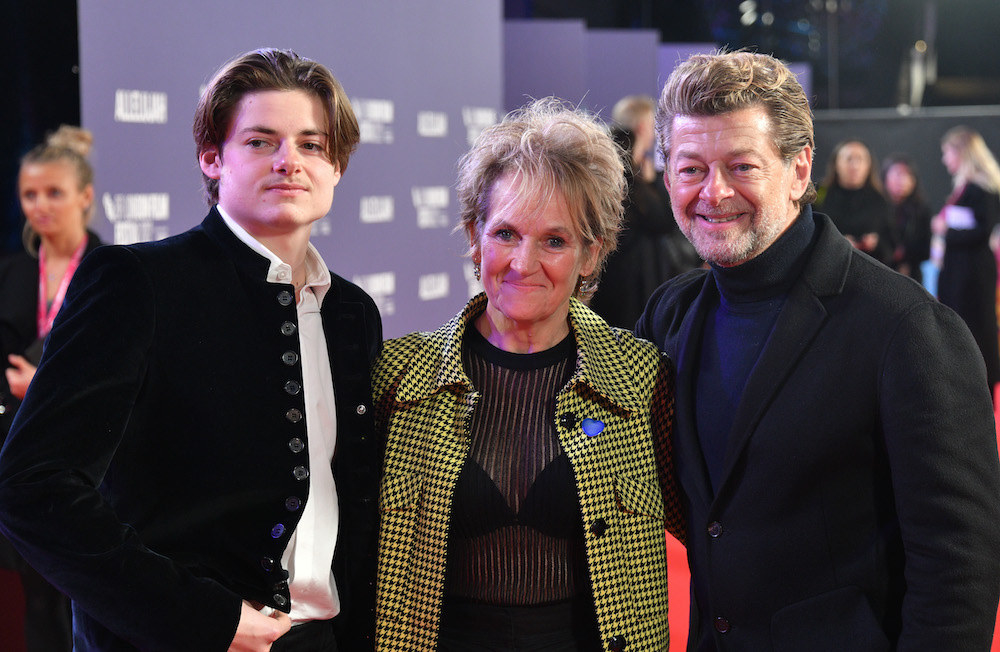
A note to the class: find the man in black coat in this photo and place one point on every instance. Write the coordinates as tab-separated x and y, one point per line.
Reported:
835	439
193	462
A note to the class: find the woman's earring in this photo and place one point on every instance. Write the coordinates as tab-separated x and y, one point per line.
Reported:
476	271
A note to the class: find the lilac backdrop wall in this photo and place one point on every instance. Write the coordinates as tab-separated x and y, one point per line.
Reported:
591	68
620	63
542	58
424	77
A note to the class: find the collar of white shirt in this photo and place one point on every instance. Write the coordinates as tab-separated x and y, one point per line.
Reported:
278	271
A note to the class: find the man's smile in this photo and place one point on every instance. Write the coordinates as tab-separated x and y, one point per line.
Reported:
720	219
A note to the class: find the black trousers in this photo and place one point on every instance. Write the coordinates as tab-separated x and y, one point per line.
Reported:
314	636
48	621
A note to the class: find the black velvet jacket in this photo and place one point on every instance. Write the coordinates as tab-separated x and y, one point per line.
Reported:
150	462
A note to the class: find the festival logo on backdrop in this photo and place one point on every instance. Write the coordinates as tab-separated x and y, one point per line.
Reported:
432	124
477	118
377	208
375	118
382	288
431	205
137	217
433	286
147	107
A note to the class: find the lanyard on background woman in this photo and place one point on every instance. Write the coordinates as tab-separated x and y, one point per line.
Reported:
47	313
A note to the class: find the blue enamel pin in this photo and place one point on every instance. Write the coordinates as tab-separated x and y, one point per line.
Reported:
592	427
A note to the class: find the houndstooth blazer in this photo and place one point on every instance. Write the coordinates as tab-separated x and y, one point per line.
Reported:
624	478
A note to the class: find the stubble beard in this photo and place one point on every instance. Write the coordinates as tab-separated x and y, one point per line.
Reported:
730	249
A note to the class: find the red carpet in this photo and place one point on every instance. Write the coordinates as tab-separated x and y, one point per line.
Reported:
678	580
11	612
996	416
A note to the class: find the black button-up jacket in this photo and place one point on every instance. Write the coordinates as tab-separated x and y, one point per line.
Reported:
159	463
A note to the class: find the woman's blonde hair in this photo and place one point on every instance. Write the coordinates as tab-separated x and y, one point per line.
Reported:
548	146
976	161
70	145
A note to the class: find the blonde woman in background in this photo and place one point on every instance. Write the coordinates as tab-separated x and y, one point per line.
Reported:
56	188
968	279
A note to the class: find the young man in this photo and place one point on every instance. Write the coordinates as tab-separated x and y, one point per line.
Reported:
193	463
834	439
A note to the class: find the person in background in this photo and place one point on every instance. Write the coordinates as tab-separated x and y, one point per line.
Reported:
521	504
193	463
851	194
650	247
968	279
911	215
56	188
643	258
834	440
637	115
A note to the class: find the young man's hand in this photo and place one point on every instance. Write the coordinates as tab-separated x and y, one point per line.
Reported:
256	632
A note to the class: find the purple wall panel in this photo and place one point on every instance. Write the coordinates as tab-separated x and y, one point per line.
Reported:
620	63
544	57
670	54
424	77
803	72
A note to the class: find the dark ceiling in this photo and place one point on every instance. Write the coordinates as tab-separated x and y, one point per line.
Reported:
861	51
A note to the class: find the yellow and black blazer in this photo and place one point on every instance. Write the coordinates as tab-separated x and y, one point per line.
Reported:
424	403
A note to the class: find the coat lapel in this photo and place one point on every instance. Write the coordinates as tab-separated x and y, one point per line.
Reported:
440	368
801	318
608	375
690	462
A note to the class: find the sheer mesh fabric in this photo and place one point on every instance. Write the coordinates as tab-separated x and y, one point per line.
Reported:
516	533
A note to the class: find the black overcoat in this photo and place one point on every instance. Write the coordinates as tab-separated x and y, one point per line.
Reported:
859	507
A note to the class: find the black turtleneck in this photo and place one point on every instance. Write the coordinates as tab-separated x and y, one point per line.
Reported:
737	324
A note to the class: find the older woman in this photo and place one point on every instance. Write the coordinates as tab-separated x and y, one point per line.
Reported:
968	279
522	506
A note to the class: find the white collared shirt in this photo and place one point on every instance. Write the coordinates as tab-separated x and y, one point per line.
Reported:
309	554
